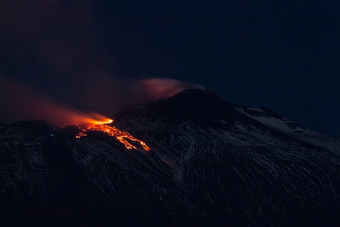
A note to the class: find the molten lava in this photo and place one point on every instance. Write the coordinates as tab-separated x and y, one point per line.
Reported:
103	126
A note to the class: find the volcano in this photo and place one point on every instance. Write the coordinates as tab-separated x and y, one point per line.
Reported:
208	162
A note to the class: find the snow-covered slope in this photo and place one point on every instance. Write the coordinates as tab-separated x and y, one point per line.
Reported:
275	121
211	163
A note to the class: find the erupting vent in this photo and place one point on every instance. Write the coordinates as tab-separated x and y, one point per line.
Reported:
121	136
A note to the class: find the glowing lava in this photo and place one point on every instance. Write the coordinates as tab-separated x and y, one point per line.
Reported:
102	126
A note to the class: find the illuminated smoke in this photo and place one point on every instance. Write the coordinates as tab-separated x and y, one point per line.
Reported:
62	76
157	88
20	102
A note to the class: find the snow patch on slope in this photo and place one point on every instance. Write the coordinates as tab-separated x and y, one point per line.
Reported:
279	123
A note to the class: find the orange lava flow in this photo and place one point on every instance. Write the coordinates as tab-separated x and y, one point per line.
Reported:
121	136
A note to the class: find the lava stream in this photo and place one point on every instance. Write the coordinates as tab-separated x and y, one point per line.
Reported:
103	126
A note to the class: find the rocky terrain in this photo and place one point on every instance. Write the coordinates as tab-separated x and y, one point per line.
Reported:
210	163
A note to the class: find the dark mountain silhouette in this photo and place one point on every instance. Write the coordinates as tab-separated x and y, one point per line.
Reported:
211	163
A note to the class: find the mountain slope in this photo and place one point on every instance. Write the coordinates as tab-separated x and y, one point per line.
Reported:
210	163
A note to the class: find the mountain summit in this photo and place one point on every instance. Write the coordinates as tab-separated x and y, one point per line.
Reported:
210	163
186	105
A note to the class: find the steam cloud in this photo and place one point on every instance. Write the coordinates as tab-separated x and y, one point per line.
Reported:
21	102
51	57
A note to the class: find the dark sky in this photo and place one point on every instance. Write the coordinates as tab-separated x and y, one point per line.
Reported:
281	54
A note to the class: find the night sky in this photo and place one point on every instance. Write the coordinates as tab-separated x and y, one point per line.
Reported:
284	55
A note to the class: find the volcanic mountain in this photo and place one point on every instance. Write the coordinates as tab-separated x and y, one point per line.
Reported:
209	163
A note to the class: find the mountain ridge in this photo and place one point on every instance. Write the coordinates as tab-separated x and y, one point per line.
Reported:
221	165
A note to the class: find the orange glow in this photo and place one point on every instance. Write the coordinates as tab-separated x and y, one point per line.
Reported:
100	122
103	126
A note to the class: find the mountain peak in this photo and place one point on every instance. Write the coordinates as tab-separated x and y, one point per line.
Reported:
207	161
188	104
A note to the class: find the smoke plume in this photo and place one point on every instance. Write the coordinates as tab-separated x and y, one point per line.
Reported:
54	69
